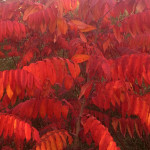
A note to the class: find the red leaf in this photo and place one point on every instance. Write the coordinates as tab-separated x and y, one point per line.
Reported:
74	69
2	55
36	135
130	127
51	73
6	100
85	90
122	124
68	82
23	79
27	131
58	109
65	110
1	87
6	148
50	108
21	130
105	141
43	107
35	108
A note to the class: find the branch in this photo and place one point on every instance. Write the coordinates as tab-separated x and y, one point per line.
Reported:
76	141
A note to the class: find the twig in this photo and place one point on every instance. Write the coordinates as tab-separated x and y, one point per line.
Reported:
100	20
76	141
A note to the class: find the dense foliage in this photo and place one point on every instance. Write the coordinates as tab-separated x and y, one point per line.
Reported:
75	74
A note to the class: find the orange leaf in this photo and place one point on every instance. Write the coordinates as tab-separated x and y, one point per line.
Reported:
48	145
43	146
53	144
105	141
52	26
43	27
63	139
30	10
130	127
106	44
38	147
70	4
79	58
9	91
83	27
115	124
59	142
83	37
122	124
111	146
62	25
70	140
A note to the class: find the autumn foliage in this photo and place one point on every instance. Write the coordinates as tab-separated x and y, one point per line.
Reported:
80	77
